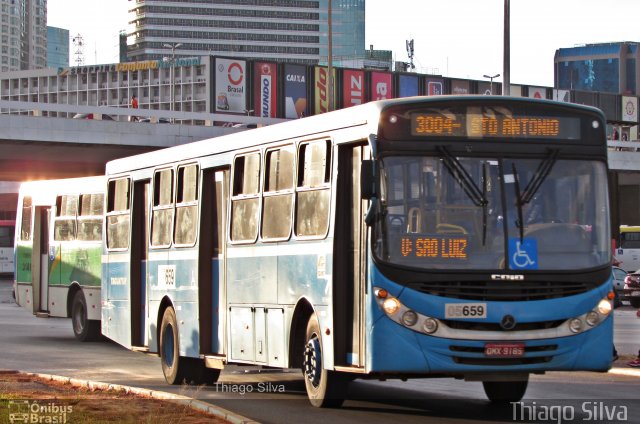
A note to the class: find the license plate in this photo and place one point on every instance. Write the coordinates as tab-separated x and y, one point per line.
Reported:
465	310
504	350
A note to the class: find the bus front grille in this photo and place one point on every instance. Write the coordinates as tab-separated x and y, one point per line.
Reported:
495	326
501	290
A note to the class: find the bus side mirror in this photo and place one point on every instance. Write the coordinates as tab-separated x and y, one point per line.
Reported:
367	179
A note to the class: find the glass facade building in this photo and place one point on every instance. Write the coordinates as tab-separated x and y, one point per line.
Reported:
605	68
57	47
348	29
276	30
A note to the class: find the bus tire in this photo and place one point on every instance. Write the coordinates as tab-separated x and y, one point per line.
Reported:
84	329
325	389
197	373
505	391
174	367
635	303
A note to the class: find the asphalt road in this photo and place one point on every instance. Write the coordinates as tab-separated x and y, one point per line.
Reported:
48	346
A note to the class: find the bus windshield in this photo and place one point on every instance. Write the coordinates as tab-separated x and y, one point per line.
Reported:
491	213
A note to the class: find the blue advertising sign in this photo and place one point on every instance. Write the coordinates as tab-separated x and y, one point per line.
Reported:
408	86
295	91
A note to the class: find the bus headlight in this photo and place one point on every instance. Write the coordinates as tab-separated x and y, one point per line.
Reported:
430	325
575	325
592	318
401	314
604	307
409	318
391	305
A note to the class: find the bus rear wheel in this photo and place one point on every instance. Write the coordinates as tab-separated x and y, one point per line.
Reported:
173	366
84	329
325	389
505	391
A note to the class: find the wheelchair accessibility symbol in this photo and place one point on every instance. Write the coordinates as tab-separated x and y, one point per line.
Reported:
523	255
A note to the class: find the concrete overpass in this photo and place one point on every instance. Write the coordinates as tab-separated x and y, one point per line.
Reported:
34	146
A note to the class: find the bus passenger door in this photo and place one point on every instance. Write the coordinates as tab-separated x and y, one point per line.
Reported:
212	260
139	256
349	259
40	260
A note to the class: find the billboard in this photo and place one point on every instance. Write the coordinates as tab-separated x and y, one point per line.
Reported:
629	109
537	92
562	96
352	87
321	104
408	85
265	83
295	91
230	77
460	87
381	85
435	86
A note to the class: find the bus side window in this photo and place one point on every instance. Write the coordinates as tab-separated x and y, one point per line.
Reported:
278	193
90	217
25	224
186	206
313	194
118	214
64	228
162	217
245	198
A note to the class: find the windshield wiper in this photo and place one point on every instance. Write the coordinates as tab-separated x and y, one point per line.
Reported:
478	197
462	177
525	196
538	178
519	203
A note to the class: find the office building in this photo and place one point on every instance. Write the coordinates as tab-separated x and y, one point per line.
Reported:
604	68
57	47
23	41
273	30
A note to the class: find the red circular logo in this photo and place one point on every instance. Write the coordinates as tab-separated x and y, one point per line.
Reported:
235	73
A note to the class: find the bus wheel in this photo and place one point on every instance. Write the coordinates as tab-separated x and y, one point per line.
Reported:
173	366
325	389
635	302
505	391
84	329
198	373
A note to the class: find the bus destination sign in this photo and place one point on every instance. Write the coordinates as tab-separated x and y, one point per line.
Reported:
476	125
434	247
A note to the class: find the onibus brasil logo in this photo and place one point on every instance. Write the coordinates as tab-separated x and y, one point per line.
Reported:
33	411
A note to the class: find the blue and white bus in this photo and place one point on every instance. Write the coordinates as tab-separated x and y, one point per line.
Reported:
463	237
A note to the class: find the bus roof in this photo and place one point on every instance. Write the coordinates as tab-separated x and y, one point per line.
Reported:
45	190
355	116
365	116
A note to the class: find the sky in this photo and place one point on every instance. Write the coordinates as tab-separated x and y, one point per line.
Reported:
454	38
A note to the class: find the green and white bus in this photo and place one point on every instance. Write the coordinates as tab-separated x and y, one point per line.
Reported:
58	246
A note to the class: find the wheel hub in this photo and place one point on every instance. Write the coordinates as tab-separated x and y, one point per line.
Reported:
313	361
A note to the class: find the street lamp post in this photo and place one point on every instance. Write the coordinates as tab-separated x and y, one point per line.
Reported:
491	79
172	73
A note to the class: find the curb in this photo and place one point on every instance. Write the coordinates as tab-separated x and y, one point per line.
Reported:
632	372
198	405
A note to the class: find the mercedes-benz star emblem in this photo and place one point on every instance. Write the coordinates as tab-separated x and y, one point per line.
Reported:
508	322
